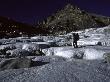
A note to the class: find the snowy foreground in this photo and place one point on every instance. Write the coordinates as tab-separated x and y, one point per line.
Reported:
68	71
53	59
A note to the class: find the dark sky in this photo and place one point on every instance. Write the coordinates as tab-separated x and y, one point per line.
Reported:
29	11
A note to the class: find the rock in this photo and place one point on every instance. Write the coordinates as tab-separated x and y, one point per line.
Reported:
15	63
52	43
2	52
8	47
18	63
107	57
35	46
39	53
99	43
30	47
49	59
18	53
78	55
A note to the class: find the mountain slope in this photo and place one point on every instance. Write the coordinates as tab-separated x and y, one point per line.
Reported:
71	18
12	28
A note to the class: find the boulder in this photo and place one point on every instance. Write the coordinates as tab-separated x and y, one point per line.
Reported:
8	47
107	57
18	63
15	63
18	53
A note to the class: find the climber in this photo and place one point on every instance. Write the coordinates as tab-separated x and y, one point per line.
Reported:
75	38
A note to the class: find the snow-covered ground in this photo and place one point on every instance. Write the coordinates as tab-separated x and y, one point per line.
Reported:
88	53
94	35
61	45
66	63
68	71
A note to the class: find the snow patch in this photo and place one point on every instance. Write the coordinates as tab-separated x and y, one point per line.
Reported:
92	54
66	54
30	47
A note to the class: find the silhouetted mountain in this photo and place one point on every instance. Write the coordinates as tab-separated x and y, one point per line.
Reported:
11	28
71	18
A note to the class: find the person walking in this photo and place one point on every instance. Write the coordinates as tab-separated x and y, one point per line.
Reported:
75	38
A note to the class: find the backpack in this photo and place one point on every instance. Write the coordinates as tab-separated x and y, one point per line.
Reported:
77	36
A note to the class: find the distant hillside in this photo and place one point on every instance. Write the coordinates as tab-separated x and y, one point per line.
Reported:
11	28
71	18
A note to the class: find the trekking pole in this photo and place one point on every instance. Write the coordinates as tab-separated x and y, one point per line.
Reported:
72	41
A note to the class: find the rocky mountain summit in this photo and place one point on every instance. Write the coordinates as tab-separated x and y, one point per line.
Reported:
68	19
72	18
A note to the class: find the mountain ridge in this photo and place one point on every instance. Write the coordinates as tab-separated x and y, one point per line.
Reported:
10	28
68	19
72	18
